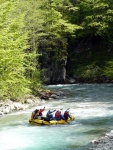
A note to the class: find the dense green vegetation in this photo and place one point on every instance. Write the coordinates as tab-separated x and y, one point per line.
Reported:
45	41
94	43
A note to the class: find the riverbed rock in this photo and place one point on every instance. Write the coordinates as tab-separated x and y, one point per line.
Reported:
94	142
51	98
29	101
18	106
54	96
105	143
7	106
6	109
1	104
1	108
44	95
12	107
1	113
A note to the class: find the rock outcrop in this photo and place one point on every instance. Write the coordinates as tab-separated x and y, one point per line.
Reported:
105	143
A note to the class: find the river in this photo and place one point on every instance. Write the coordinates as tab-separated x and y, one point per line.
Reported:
92	105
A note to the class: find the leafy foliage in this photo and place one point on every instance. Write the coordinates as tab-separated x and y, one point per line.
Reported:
12	44
108	71
96	17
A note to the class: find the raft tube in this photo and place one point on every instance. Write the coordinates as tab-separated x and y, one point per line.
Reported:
39	122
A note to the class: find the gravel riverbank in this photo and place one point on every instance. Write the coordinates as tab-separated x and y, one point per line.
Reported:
8	106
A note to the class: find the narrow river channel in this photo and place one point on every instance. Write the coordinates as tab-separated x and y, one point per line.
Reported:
92	105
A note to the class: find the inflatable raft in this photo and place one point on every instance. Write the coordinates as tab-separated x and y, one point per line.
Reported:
39	122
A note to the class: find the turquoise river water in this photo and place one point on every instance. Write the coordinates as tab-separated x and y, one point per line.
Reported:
92	105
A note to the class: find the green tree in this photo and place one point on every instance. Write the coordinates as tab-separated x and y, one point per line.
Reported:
33	21
48	27
53	44
96	18
13	42
89	52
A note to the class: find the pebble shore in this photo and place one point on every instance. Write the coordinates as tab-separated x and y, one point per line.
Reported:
9	106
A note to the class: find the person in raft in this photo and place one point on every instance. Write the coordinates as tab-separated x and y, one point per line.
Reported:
34	113
50	115
58	115
66	115
37	114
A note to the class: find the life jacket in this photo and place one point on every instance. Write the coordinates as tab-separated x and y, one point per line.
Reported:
66	114
58	115
40	112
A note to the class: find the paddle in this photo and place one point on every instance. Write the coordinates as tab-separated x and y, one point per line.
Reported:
53	111
67	109
66	121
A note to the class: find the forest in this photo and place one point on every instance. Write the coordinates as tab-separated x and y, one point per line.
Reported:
54	42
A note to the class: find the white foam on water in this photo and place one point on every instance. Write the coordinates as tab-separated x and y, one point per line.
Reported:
93	109
61	85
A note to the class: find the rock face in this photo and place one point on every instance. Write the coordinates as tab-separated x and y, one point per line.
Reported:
56	75
105	143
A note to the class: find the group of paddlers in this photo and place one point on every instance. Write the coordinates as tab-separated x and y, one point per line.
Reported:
37	114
